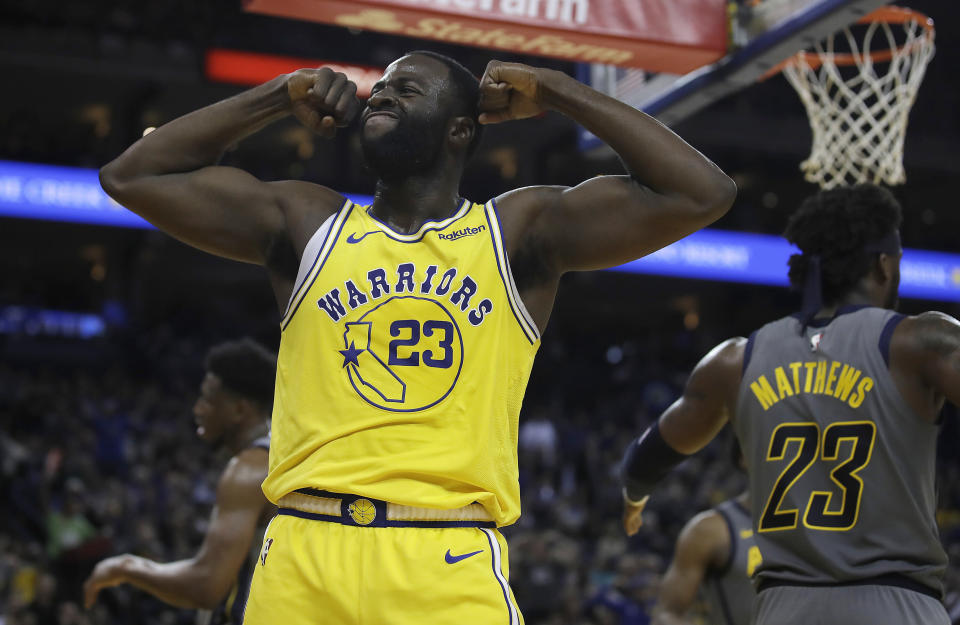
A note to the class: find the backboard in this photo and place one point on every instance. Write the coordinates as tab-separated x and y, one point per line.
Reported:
762	35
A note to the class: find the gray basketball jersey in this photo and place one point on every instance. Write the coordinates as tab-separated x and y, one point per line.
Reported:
729	591
841	468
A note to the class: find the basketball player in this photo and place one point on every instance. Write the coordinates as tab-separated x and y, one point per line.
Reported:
716	552
836	410
233	413
409	327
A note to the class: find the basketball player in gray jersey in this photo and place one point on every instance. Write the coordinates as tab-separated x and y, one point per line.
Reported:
716	555
232	412
836	409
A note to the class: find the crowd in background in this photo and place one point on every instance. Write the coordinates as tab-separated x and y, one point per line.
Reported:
102	460
98	454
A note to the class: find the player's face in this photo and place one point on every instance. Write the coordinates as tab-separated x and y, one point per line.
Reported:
213	409
403	125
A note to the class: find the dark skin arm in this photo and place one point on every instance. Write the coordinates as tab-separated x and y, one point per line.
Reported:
703	544
204	580
925	362
671	190
707	404
170	177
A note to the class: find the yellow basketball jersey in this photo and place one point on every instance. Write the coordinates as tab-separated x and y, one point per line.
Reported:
402	366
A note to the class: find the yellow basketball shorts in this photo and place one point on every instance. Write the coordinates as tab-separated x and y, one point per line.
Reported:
319	572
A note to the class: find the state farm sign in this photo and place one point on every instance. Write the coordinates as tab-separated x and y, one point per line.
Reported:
561	11
674	36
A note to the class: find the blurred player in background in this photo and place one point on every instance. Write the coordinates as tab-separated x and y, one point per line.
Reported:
716	553
836	409
232	413
409	326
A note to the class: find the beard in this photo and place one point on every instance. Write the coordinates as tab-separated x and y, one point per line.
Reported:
412	146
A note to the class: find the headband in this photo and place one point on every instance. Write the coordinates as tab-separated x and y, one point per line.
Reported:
813	287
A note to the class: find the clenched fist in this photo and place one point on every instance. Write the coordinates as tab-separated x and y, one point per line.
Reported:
323	100
509	91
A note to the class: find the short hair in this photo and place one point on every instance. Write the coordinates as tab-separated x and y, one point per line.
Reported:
246	368
467	92
836	225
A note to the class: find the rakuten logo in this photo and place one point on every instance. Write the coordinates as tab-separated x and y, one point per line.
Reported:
459	234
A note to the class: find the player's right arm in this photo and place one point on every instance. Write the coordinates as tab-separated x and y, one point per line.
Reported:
704	543
686	427
204	580
925	361
170	177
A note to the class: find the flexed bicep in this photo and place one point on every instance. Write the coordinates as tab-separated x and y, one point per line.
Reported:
170	176
221	210
610	220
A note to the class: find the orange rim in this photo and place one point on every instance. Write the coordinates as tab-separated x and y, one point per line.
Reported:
888	14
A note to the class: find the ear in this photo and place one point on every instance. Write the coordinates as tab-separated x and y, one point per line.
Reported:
245	408
886	266
462	131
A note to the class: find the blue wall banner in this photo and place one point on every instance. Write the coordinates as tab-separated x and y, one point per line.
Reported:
70	194
42	321
74	195
762	259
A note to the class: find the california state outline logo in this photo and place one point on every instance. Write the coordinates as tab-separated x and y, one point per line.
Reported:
405	351
403	355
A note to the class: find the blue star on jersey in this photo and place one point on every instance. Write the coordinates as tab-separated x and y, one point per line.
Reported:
351	354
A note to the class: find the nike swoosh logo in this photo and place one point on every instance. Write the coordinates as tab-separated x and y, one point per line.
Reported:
353	238
451	559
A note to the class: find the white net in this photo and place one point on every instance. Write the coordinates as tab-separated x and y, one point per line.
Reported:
858	87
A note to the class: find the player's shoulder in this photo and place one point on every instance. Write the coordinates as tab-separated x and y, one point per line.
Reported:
529	197
727	355
526	203
247	469
731	349
931	319
302	191
928	331
517	210
305	207
705	523
706	534
300	199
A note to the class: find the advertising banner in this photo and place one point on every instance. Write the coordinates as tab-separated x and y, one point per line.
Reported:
674	36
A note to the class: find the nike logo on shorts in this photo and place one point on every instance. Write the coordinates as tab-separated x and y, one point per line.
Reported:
451	559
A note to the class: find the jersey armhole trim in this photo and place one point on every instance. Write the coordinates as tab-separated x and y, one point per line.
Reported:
887	334
523	318
748	351
325	248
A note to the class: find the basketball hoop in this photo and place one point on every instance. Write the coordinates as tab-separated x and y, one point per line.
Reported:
858	114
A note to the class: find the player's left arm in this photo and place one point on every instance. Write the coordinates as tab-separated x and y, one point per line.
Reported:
703	544
686	427
671	190
927	347
205	579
